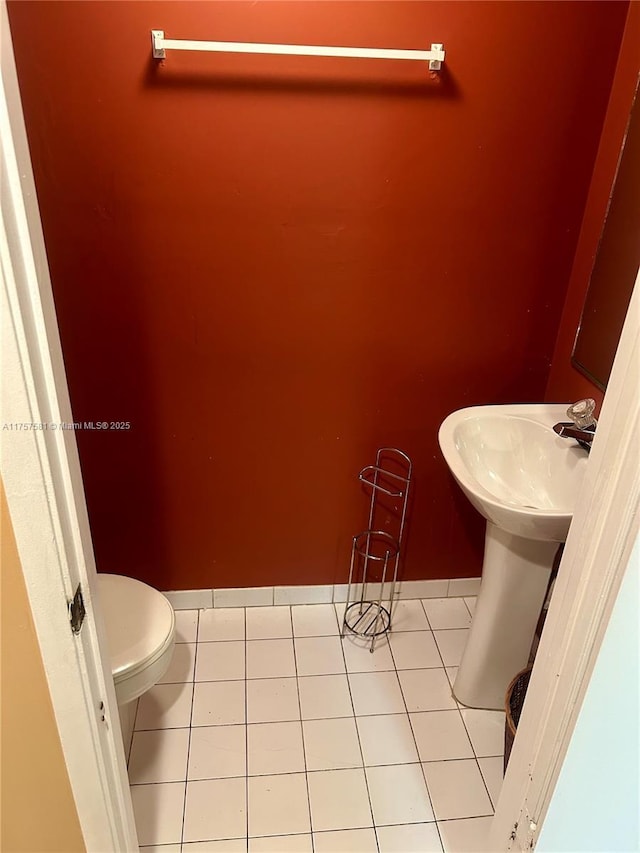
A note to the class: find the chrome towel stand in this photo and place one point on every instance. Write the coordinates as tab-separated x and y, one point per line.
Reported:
377	549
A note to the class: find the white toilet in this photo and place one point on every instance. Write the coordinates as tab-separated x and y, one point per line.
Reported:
140	625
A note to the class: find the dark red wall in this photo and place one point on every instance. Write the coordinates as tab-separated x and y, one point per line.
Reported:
271	266
565	382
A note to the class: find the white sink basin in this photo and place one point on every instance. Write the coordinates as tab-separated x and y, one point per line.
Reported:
514	469
525	480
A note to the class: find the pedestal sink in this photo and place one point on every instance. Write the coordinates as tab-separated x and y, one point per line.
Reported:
524	479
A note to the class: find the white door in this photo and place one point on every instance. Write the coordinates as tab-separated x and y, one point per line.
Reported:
41	474
596	557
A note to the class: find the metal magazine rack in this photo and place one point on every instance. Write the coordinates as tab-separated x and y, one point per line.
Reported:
375	553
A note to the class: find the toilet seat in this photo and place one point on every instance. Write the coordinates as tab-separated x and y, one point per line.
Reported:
140	625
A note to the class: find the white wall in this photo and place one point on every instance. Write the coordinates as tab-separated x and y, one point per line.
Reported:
596	804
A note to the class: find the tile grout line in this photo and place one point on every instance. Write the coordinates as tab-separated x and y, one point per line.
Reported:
466	730
312	636
473	749
133	730
457	708
326	770
318	675
193	689
246	731
485	781
426	616
355	719
435	640
464	599
293	720
415	741
304	748
476	757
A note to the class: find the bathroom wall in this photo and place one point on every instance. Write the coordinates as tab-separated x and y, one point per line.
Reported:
38	811
271	266
565	382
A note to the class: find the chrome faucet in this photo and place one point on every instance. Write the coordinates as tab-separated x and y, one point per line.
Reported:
582	426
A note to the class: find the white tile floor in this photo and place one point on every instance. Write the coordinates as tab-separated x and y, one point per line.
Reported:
269	733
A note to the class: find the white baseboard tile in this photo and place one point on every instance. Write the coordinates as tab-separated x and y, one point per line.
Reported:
424	589
190	599
460	587
264	596
339	593
256	596
415	589
303	594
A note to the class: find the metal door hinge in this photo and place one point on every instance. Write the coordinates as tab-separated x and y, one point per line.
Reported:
77	611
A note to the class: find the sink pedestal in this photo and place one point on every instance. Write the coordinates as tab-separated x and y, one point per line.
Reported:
515	577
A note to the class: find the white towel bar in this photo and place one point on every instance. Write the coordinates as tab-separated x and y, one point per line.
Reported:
435	56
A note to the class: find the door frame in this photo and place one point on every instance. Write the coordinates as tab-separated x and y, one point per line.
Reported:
42	478
601	539
43	484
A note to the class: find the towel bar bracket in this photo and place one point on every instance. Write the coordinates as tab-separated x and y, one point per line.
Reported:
436	64
157	38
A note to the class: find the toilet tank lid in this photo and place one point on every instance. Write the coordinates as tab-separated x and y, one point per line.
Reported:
139	621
